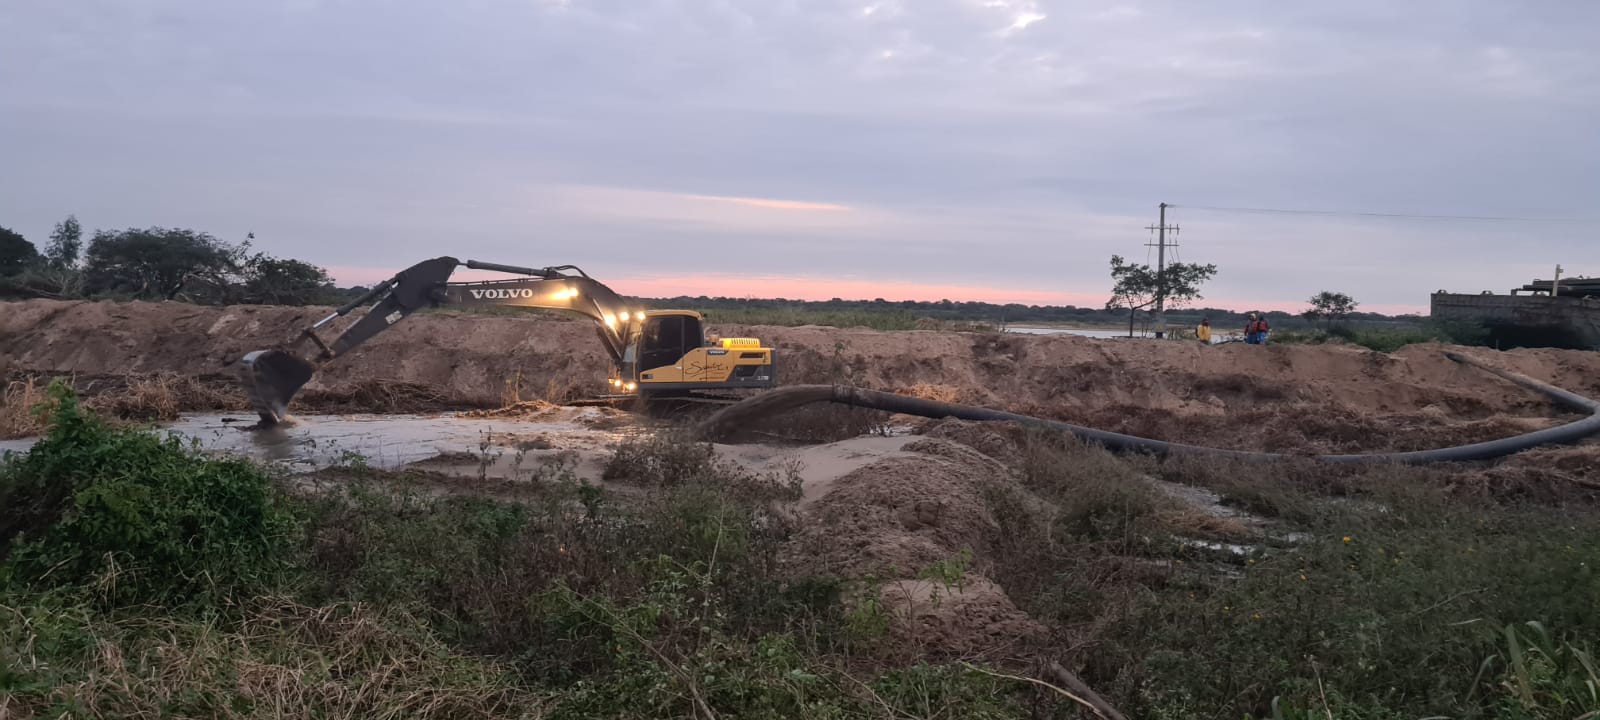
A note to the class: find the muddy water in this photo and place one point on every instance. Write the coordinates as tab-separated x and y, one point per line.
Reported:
315	441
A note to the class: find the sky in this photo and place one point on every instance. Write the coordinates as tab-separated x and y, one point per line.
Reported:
998	150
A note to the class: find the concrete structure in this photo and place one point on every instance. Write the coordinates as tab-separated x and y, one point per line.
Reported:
1525	320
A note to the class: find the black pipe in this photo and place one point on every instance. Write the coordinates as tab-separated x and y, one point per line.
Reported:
727	420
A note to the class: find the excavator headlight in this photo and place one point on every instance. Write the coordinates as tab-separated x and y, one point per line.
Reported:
630	387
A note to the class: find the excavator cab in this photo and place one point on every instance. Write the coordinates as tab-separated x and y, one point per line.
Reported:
671	356
666	337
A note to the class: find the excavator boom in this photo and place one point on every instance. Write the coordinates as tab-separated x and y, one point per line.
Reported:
273	377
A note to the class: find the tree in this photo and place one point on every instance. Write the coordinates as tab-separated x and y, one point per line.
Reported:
275	281
1329	306
66	241
1139	286
155	263
16	253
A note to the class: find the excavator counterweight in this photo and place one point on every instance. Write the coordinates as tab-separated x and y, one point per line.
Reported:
652	352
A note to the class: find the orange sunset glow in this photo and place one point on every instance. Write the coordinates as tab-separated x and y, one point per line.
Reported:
804	288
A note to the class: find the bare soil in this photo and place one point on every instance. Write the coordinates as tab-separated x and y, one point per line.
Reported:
1281	398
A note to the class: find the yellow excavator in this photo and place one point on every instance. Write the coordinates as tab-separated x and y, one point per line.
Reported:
654	353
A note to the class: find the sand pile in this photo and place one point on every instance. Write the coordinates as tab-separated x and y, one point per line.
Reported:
1280	398
918	522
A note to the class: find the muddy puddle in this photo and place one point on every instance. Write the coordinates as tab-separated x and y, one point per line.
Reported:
313	442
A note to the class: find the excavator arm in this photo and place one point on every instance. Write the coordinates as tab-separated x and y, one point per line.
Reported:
273	377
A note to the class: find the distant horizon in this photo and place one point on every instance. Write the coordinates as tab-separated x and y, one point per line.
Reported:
808	289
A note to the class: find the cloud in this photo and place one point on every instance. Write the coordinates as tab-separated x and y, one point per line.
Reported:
772	204
986	144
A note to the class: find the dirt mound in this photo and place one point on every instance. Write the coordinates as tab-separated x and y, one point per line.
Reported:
1547	475
995	442
469	360
919	522
968	618
1287	398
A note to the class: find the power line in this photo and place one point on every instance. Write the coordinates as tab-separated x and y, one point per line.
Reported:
1409	216
1161	228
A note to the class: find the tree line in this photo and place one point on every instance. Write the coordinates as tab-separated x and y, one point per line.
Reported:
156	263
159	263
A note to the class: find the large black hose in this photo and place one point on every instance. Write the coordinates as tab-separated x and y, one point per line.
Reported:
728	420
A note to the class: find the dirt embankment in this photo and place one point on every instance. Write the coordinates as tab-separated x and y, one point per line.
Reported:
1318	398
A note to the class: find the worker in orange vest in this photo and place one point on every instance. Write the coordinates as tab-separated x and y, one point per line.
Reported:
1256	331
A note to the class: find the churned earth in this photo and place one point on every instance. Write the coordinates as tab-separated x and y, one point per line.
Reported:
931	519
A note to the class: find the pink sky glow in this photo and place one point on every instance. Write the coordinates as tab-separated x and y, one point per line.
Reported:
802	288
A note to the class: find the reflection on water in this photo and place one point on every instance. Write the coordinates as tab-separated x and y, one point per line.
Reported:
1094	332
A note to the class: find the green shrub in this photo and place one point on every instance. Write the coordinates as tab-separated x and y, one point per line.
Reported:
471	564
624	605
132	517
1383	340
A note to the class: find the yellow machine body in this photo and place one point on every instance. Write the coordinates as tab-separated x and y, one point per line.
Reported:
669	354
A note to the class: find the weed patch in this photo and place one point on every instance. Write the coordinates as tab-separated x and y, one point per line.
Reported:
17	409
1391	601
131	517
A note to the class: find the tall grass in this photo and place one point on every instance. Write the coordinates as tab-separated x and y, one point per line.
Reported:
1387	339
1388	599
21	409
140	578
135	398
273	657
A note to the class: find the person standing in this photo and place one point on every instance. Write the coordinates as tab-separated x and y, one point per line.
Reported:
1204	331
1255	332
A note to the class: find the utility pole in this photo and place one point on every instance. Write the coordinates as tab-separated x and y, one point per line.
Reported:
1555	285
1161	245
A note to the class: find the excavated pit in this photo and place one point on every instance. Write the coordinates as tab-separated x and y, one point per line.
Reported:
1310	399
483	397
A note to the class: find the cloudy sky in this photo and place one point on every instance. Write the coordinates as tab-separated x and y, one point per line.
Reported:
962	149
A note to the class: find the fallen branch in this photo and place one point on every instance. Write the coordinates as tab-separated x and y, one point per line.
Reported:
1102	708
1097	705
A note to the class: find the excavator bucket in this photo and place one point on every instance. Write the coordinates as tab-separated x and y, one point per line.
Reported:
272	377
